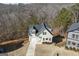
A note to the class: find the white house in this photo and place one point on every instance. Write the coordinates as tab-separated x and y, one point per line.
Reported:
73	36
40	33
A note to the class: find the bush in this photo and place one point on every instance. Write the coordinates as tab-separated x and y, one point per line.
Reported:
57	39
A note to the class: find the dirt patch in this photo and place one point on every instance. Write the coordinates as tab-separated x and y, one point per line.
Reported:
43	50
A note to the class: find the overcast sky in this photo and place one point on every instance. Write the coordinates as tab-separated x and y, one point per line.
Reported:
14	1
38	1
21	1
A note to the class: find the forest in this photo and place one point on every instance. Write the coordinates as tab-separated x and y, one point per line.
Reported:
15	19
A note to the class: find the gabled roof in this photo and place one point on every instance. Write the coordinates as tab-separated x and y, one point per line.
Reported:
40	28
73	27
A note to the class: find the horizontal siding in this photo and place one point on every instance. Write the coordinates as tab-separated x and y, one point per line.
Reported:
70	35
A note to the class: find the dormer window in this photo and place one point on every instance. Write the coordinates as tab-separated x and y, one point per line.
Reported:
44	33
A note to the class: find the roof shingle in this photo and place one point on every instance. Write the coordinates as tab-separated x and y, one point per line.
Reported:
73	27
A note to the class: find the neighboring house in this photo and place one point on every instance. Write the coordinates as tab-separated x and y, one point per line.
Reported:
41	32
73	36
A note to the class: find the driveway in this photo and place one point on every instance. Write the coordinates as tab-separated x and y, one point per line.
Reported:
31	48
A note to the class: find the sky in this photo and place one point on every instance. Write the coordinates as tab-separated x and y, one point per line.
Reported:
38	1
21	1
14	1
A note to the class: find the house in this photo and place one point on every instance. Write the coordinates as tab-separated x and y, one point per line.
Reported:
73	36
41	33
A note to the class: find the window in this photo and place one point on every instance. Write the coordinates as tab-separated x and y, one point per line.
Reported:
77	36
44	33
73	43
73	35
49	39
43	39
77	45
69	42
46	38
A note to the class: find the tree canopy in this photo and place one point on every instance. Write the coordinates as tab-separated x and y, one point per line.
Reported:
63	19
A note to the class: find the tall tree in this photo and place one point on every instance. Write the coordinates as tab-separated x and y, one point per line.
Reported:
63	19
75	11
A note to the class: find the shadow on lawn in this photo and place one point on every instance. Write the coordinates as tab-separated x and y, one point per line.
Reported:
10	47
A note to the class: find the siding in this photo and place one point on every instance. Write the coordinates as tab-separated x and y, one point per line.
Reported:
74	32
69	38
48	35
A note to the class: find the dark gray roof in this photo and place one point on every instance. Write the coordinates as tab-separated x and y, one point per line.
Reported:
74	26
40	28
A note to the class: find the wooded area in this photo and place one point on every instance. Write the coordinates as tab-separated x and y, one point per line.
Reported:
15	19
